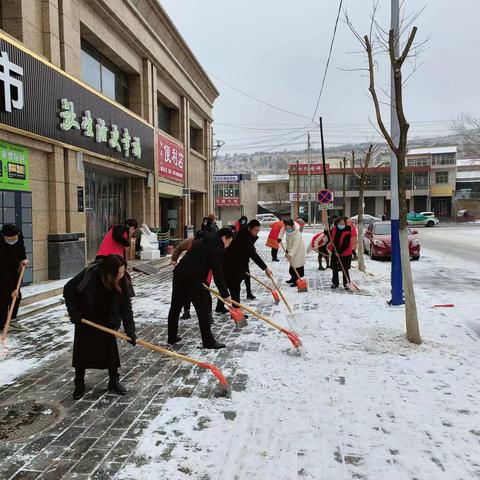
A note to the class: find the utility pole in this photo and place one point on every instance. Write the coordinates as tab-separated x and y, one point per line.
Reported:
298	190
309	182
324	163
396	268
344	186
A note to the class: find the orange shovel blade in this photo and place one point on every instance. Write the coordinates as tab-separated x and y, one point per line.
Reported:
276	297
238	317
302	285
293	337
217	373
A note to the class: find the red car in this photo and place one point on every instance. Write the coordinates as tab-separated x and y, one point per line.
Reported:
377	241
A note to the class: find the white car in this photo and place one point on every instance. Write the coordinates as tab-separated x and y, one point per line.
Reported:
367	219
266	218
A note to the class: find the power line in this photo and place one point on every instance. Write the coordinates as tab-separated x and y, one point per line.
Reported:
328	59
257	99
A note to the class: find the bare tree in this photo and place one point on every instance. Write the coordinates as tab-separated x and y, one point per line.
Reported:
468	127
380	41
362	175
344	183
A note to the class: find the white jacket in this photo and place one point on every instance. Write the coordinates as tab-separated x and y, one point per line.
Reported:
295	247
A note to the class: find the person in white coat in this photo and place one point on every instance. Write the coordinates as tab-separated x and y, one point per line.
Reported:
295	249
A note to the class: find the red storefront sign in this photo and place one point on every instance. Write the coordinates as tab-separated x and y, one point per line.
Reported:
171	159
315	169
227	201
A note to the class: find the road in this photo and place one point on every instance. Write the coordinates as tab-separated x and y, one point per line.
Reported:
462	242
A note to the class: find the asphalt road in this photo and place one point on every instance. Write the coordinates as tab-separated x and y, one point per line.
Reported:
462	241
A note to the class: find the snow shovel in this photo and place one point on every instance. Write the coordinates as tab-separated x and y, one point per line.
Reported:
165	351
292	317
301	283
236	313
10	313
293	337
270	289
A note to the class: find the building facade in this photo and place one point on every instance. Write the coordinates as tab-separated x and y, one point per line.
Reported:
235	195
430	182
273	196
105	114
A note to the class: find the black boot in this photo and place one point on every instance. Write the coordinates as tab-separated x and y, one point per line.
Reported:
214	345
79	381
113	384
186	315
251	296
173	341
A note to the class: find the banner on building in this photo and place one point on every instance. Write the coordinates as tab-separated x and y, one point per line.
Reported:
227	201
315	169
14	167
171	159
227	178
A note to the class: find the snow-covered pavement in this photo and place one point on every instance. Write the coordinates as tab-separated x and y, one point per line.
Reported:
360	402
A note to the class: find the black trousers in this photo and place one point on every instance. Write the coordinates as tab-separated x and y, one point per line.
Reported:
336	265
5	302
80	375
185	289
323	254
274	253
187	306
293	275
248	283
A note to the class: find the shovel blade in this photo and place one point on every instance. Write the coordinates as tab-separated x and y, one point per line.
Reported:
302	285
238	317
276	297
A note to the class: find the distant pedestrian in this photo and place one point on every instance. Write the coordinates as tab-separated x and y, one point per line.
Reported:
237	257
240	223
341	248
12	257
117	239
102	294
211	226
188	278
203	227
319	244
272	240
295	250
384	217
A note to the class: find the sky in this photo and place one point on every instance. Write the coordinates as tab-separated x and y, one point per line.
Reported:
276	51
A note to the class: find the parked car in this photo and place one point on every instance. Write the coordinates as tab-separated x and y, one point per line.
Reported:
427	219
266	218
377	241
367	219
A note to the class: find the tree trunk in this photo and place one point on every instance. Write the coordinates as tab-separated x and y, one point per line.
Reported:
344	171
360	249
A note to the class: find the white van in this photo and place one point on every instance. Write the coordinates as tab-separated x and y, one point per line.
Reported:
266	218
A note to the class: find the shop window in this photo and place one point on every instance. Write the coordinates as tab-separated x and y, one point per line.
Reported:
441	177
196	139
164	117
103	75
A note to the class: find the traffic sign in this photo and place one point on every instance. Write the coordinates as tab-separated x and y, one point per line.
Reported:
326	206
325	196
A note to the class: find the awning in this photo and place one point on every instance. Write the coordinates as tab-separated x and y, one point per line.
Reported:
168	190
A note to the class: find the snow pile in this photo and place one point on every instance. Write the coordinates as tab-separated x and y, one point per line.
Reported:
361	402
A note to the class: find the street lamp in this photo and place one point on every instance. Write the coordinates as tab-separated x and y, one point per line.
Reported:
216	148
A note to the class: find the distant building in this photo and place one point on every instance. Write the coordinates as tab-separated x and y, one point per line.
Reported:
467	195
235	195
430	181
273	195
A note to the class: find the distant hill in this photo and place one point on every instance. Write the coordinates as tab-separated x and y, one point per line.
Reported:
262	163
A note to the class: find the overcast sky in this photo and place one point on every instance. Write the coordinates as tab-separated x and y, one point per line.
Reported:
276	50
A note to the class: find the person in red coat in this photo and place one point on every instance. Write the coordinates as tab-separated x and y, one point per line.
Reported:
341	248
272	240
117	239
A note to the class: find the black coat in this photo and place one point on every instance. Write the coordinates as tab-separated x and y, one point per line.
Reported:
10	258
238	255
206	254
210	227
87	297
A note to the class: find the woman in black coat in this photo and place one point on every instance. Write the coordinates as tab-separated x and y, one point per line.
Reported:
101	293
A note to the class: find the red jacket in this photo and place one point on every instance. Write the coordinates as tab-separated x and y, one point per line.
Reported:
343	244
114	242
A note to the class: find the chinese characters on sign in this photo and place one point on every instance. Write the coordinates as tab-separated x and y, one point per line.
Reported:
119	141
227	178
315	169
14	172
303	197
9	77
227	201
171	160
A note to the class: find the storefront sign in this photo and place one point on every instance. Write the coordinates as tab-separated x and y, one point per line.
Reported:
227	201
315	169
14	167
303	197
171	159
226	178
38	98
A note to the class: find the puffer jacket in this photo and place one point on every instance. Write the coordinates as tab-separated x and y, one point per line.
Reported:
295	247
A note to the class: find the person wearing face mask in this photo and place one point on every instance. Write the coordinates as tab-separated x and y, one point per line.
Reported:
102	294
12	257
341	248
295	250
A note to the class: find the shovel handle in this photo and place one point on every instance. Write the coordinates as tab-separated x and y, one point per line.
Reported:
260	282
294	269
289	308
12	305
248	309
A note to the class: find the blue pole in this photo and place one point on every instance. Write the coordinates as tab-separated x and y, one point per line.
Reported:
396	272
